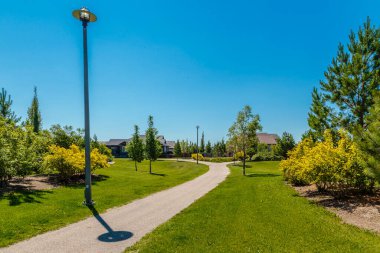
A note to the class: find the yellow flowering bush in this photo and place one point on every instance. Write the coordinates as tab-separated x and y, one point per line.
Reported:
200	157
71	161
330	166
240	155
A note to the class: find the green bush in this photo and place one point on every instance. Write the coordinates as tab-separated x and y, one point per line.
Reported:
266	156
218	159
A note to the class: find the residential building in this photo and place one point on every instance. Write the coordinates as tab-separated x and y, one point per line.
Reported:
118	146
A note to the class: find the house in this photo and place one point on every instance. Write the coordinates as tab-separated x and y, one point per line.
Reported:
268	139
118	146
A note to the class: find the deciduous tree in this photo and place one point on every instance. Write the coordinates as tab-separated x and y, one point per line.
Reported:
152	145
136	148
244	129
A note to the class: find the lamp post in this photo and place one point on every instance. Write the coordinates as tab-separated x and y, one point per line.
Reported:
85	16
197	144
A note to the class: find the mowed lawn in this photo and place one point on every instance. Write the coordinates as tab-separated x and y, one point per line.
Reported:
256	213
28	213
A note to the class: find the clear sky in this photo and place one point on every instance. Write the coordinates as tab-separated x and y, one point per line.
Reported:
187	63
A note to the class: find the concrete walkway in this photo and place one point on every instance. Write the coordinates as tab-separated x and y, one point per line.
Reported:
121	227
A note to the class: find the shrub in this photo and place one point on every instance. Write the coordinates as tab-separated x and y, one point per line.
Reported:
266	156
218	159
21	151
240	155
71	161
337	167
200	157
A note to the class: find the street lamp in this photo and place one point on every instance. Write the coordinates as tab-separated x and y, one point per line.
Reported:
86	16
197	144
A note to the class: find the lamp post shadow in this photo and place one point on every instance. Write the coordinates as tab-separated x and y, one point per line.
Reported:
111	235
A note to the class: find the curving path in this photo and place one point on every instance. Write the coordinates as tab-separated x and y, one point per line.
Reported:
121	227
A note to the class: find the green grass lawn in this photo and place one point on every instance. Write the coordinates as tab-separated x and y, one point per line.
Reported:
28	213
256	213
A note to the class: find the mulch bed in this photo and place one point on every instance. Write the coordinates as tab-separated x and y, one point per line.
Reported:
359	210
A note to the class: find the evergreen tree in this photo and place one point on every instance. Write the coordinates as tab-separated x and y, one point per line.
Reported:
209	148
177	149
152	146
34	114
284	144
320	116
5	107
369	140
136	148
202	147
353	77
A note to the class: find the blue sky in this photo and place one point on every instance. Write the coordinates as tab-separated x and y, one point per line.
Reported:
187	63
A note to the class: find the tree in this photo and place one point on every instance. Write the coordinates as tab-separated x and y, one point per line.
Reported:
369	141
177	149
284	144
208	148
185	148
136	148
34	114
244	129
353	77
66	136
5	107
320	116
152	146
202	147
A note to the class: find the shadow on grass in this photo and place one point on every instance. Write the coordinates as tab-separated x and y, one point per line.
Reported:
18	197
110	236
79	181
158	174
262	175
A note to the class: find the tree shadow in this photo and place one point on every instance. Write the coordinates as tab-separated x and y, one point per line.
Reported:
110	236
79	181
262	175
158	174
23	196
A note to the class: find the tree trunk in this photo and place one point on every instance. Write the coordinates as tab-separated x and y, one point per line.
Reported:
150	166
136	165
244	162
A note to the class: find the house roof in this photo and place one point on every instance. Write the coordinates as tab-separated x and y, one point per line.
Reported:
160	138
116	142
269	139
170	144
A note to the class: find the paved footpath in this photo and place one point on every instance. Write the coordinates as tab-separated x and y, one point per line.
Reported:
121	227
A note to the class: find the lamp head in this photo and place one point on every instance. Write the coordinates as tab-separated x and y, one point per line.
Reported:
84	15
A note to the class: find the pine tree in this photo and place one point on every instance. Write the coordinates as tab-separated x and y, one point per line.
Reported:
208	148
320	116
369	141
34	114
353	77
136	148
202	146
284	144
177	149
5	107
152	146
